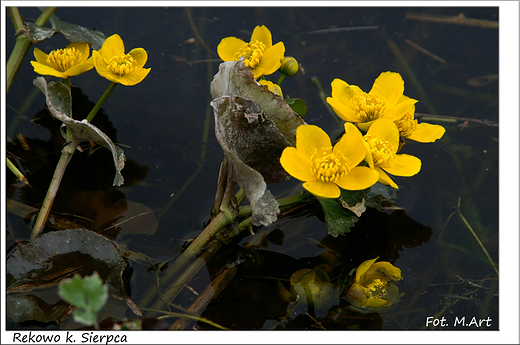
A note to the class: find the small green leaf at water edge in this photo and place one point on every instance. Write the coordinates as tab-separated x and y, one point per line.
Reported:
88	294
298	106
339	219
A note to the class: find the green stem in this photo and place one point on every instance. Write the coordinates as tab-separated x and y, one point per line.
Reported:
66	155
102	100
17	172
22	43
280	79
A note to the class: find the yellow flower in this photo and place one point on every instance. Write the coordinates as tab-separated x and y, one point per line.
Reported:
112	63
421	132
382	142
385	100
63	63
323	167
373	290
274	88
260	54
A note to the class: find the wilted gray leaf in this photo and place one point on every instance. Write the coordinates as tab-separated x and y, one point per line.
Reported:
59	101
72	32
243	128
253	126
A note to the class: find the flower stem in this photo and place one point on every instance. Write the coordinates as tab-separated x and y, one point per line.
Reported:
101	101
22	43
280	79
66	155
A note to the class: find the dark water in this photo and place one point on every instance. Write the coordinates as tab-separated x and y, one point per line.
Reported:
160	124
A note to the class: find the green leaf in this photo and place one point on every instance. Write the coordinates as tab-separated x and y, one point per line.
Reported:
298	106
339	219
73	292
88	294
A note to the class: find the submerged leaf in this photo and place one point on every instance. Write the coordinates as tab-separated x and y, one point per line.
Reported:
58	101
48	256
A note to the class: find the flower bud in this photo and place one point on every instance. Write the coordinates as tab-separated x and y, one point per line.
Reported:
289	66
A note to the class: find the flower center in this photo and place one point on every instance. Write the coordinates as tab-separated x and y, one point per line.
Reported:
328	166
406	125
63	59
122	65
382	151
368	107
252	53
377	288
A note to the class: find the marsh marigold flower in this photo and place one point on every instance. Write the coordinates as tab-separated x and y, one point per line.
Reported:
384	100
259	54
112	63
382	142
324	168
63	63
373	289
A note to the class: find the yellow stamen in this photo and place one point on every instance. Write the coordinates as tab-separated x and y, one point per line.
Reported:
328	166
406	125
382	151
377	288
252	53
368	107
63	59
122	65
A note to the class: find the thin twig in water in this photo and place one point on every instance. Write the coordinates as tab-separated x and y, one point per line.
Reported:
457	118
351	28
424	51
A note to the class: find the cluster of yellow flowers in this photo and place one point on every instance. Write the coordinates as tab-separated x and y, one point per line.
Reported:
377	124
110	61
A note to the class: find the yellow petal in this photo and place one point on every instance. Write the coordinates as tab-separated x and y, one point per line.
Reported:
83	47
351	145
262	34
113	46
272	59
140	55
362	269
133	78
401	108
385	179
427	133
310	138
388	86
228	47
322	189
101	66
376	302
358	178
342	94
383	270
40	56
295	166
404	165
385	129
46	70
78	69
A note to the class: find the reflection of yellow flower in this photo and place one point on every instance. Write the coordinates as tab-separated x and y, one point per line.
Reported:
112	63
323	167
373	290
421	132
260	54
382	141
385	99
63	63
274	88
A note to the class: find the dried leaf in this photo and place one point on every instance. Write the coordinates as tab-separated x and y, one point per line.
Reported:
59	103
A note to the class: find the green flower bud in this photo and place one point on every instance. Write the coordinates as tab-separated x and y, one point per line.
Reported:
289	66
